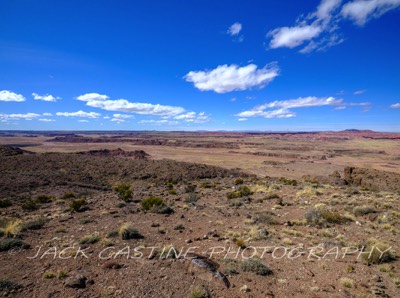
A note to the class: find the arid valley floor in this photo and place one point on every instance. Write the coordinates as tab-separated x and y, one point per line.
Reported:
179	214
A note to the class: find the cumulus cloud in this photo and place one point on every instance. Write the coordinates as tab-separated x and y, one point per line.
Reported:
281	108
242	119
80	114
6	95
291	37
46	120
395	106
122	105
46	97
123	116
226	78
361	11
83	120
235	29
27	116
47	114
193	117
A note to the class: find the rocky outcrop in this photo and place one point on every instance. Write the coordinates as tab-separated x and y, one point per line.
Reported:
372	179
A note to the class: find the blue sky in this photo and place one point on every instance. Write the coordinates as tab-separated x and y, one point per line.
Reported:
200	65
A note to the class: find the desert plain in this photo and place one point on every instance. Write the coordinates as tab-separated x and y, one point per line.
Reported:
199	214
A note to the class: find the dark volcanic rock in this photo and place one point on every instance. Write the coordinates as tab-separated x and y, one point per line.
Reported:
78	281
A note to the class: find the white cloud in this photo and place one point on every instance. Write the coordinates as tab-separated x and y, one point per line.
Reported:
27	116
193	117
326	7
320	23
92	97
291	37
123	116
47	114
358	92
395	106
118	120
46	97
6	95
319	30
235	29
340	108
226	78
81	114
302	102
122	105
46	120
281	107
361	11
242	119
83	120
159	122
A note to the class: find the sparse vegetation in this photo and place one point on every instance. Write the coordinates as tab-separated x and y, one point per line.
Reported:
256	266
8	285
124	191
377	252
43	199
4	203
49	275
199	292
243	191
264	217
8	243
321	216
78	205
347	282
35	224
89	239
363	210
29	205
127	232
155	205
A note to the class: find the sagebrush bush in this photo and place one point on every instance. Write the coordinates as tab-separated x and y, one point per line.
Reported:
8	243
9	285
124	191
29	205
78	205
5	203
243	191
128	232
155	205
239	181
255	266
264	217
320	216
35	224
89	239
363	210
43	199
378	252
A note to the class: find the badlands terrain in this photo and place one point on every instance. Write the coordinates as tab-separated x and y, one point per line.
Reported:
179	214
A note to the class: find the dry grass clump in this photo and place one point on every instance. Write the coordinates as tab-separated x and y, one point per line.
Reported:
243	191
378	252
347	282
199	292
308	192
